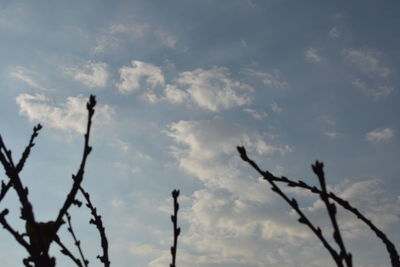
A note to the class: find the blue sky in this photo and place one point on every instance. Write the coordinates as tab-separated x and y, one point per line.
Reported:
179	85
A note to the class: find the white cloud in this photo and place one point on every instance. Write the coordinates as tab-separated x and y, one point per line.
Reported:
368	61
131	77
175	95
272	79
375	93
29	77
256	114
379	135
92	74
207	149
213	89
70	116
312	56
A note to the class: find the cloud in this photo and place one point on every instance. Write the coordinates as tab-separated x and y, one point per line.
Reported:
29	77
92	74
272	79
331	134
275	108
140	74
114	35
375	93
166	38
334	33
214	89
367	61
175	95
312	56
379	135
207	150
255	114
70	116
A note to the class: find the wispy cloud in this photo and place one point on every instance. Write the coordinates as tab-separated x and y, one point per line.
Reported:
256	114
91	74
27	76
312	55
334	33
368	61
270	79
376	93
379	135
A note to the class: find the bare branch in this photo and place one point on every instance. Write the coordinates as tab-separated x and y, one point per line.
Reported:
177	230
99	225
78	177
65	251
76	241
331	209
293	203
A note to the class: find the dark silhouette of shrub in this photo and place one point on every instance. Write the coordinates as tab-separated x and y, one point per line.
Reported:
39	236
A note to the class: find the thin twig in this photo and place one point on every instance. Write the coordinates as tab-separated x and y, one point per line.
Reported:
76	241
177	230
96	220
65	251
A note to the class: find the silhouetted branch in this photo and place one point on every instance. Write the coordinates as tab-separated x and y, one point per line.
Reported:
390	247
177	230
96	220
78	177
76	241
64	250
20	165
39	254
293	203
16	235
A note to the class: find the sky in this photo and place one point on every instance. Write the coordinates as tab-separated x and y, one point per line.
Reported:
179	85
